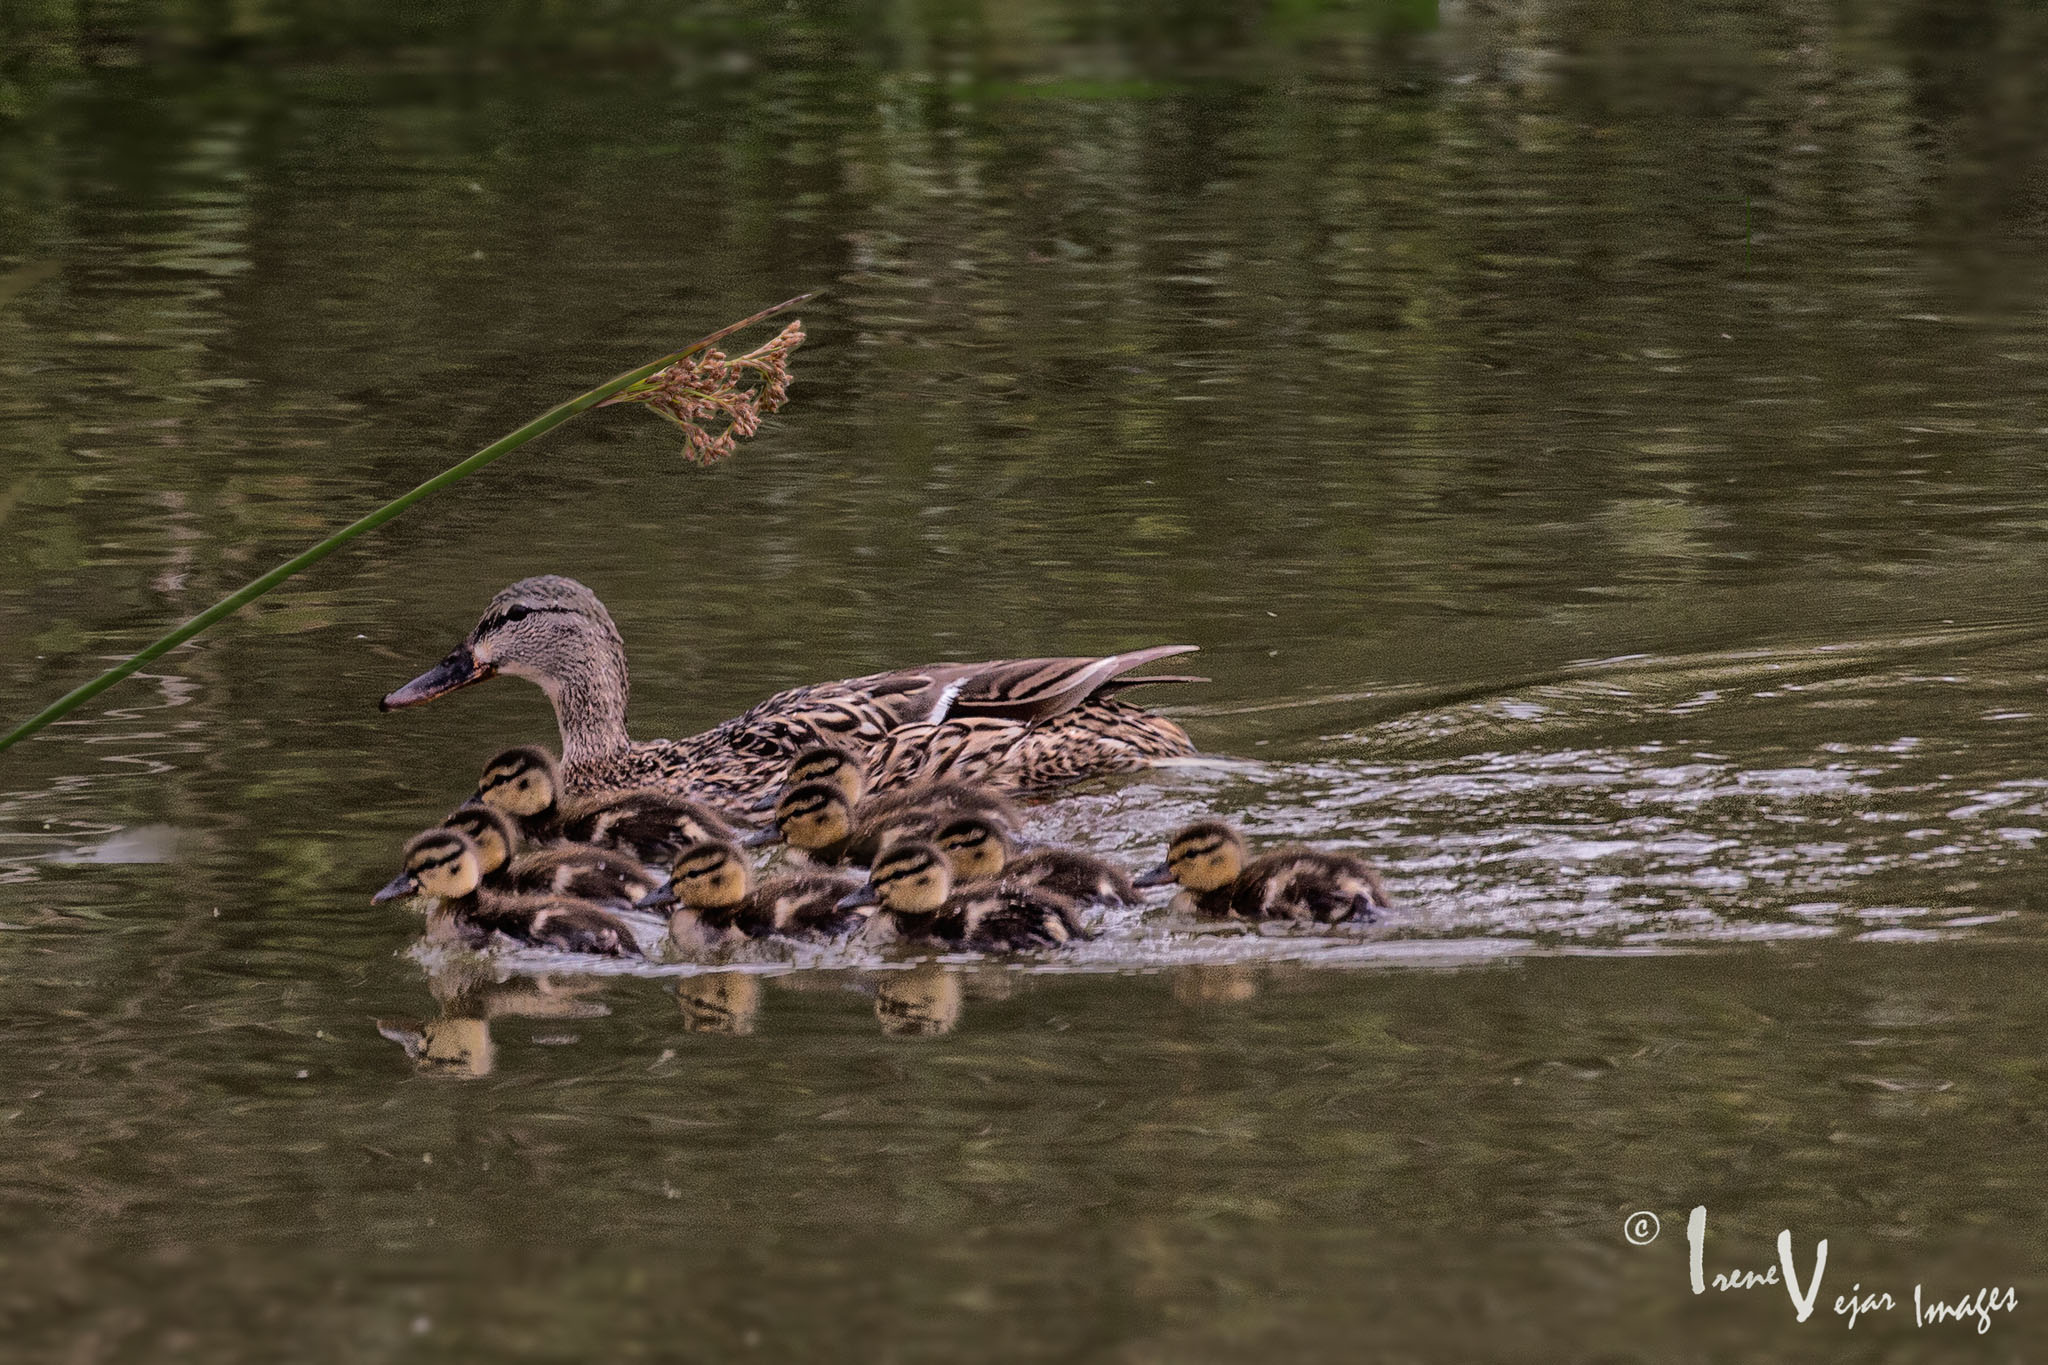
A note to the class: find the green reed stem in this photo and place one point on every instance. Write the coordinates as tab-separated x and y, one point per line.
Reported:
242	597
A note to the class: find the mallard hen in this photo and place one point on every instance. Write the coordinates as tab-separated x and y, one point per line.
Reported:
1020	723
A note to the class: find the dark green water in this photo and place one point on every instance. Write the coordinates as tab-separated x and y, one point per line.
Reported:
1599	450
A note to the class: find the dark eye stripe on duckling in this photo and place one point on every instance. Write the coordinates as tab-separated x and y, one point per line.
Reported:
1182	852
898	870
809	805
448	859
499	777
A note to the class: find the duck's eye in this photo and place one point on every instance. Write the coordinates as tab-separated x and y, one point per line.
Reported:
518	613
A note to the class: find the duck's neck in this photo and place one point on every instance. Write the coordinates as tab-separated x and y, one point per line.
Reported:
590	710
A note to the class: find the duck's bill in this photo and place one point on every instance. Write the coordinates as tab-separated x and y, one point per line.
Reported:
656	900
1154	876
864	896
761	838
459	669
398	888
766	802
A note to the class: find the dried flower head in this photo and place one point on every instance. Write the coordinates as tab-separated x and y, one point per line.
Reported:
717	400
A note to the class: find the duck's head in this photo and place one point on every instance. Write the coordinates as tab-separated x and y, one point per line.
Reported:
550	630
911	878
706	876
822	763
521	782
1204	856
974	847
490	829
440	862
814	815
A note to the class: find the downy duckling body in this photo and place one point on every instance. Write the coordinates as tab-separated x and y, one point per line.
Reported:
913	885
443	863
1208	859
821	821
717	901
1018	723
582	871
652	826
979	851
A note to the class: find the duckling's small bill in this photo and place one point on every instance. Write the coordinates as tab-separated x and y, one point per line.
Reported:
398	888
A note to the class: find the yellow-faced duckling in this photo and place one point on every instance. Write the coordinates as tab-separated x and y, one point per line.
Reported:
443	863
979	851
717	901
822	822
579	870
652	826
913	885
1208	859
820	763
1016	722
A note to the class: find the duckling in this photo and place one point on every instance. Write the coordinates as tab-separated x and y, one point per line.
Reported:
819	820
979	851
1208	860
820	763
1019	723
588	873
717	903
652	826
913	885
443	863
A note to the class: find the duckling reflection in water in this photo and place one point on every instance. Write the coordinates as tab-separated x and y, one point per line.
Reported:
1208	859
924	1002
979	851
821	821
720	1002
651	826
585	872
1213	983
913	886
717	902
459	1043
443	863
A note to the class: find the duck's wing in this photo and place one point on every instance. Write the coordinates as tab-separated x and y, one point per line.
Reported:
1016	723
1098	737
1036	690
